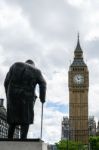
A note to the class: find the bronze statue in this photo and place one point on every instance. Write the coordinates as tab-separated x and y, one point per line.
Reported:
20	84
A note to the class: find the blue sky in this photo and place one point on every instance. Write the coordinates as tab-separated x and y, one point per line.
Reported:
59	107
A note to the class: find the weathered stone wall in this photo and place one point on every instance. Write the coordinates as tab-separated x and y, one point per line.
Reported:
22	145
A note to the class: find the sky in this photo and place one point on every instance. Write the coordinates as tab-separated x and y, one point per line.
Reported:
46	32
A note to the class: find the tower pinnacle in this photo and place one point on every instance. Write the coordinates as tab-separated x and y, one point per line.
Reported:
78	35
78	54
78	47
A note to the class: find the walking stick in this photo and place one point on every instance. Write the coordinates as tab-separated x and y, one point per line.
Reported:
41	120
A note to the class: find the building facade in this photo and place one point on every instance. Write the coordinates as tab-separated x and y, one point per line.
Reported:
92	126
65	128
93	130
3	123
78	76
52	147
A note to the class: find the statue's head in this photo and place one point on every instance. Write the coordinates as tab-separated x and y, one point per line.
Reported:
31	62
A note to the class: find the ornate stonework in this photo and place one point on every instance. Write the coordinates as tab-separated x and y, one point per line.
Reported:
78	97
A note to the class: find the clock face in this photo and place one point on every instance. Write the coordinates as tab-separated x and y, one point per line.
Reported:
79	79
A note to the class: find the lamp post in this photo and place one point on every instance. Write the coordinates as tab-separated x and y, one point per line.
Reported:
67	141
67	148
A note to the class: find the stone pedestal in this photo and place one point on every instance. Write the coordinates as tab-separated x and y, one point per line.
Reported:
29	144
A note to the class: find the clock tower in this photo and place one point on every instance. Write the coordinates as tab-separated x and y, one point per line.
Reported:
78	79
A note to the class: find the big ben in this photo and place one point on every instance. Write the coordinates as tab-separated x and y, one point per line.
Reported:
78	79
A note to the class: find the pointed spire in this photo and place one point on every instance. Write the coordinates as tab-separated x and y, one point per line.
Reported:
78	47
78	55
78	36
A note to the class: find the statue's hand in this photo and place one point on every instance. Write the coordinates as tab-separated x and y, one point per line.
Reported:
35	97
42	101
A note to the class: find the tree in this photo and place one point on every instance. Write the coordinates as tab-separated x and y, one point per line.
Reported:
94	142
69	145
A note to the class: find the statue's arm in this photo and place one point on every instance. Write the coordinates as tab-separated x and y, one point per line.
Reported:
42	86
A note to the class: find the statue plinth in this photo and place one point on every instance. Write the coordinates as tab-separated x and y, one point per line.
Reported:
17	144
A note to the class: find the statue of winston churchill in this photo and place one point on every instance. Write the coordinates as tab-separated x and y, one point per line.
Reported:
20	84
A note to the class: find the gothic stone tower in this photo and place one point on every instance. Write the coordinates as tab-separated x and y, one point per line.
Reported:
78	97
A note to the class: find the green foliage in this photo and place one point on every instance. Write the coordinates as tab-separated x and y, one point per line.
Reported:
94	143
69	145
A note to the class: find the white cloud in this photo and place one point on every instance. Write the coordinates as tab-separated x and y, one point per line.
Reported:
51	121
76	2
56	85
